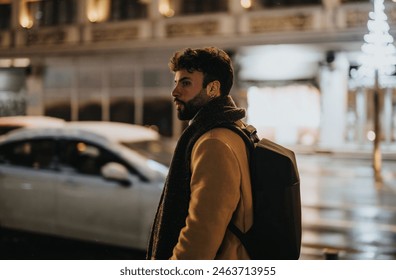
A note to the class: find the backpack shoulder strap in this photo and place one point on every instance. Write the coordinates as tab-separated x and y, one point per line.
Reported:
249	135
247	132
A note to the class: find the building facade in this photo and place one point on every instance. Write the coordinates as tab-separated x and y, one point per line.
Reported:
107	60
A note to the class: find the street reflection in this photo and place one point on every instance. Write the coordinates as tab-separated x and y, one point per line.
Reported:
344	210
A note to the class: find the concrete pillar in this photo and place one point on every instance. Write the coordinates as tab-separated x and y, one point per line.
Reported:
138	96
235	7
361	114
34	90
74	92
16	4
105	99
330	13
334	90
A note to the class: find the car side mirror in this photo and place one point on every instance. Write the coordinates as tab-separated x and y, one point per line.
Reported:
115	171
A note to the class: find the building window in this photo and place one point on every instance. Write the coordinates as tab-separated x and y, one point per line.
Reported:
51	12
12	95
57	82
203	6
5	15
128	9
353	1
285	3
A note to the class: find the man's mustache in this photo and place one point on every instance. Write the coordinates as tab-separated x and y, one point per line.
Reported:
178	101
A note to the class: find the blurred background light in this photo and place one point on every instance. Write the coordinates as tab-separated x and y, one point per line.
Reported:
371	135
14	62
5	62
21	62
165	9
25	19
276	113
279	62
98	10
247	4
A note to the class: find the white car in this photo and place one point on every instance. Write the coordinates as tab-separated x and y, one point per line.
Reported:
145	140
76	183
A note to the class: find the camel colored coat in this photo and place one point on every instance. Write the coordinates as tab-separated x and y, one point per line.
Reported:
220	193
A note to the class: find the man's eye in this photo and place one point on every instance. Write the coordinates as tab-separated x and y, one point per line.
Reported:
186	83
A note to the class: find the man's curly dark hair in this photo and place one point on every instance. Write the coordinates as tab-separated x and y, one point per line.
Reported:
214	63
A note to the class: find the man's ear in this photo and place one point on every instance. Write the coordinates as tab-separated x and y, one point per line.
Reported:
213	89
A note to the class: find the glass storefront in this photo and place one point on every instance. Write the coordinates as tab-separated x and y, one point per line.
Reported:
82	89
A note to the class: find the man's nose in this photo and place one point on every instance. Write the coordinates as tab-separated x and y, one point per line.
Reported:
175	92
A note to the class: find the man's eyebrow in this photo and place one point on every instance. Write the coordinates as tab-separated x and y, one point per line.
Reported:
182	79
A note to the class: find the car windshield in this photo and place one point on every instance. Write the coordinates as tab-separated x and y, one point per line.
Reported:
150	168
158	150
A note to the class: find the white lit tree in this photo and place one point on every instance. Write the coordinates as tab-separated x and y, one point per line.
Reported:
378	60
378	64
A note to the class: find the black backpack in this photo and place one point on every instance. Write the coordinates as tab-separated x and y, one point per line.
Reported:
276	230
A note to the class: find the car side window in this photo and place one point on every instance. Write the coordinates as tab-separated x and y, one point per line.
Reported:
86	158
80	157
36	154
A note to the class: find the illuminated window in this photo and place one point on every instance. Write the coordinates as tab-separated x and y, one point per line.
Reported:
287	114
98	10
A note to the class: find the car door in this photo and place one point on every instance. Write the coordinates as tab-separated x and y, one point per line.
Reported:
94	208
28	180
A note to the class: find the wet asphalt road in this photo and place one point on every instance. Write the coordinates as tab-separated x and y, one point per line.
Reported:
344	210
17	245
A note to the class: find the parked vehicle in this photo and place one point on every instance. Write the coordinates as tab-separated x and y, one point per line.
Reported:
140	138
116	131
144	140
73	182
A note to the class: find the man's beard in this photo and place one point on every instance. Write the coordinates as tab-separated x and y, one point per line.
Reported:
190	108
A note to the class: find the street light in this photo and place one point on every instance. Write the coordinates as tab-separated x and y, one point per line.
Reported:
378	63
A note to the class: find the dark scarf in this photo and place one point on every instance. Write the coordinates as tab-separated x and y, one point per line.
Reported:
173	207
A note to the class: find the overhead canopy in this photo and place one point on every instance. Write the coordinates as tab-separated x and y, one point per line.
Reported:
279	62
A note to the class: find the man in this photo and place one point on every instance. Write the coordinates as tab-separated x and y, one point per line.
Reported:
208	185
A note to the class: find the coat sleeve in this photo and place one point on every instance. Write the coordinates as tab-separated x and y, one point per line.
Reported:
215	192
